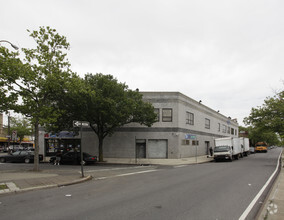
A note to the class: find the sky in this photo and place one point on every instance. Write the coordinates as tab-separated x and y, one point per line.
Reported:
227	53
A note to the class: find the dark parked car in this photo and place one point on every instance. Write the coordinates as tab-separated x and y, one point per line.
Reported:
75	158
20	157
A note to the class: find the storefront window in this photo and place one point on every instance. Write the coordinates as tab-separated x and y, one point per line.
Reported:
52	145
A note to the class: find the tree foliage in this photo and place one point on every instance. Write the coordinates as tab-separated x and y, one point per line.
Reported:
106	104
41	86
256	134
31	86
22	126
268	118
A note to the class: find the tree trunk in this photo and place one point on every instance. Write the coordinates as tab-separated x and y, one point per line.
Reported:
36	156
101	155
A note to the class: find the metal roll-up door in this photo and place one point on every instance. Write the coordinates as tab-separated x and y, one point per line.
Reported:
157	148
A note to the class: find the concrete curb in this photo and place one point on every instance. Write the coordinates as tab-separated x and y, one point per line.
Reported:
155	162
84	179
75	181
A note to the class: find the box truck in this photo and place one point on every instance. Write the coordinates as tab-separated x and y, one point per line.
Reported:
245	146
227	148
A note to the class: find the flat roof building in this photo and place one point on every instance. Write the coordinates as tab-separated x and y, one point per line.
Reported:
184	128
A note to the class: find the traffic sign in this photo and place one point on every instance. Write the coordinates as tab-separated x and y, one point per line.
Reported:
81	124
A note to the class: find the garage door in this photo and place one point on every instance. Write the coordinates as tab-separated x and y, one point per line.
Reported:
158	148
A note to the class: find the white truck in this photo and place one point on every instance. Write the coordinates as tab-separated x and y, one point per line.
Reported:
227	148
245	146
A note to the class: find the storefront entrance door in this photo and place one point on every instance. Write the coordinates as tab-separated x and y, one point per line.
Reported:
140	148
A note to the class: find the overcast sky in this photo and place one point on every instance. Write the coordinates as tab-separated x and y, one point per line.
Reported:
227	53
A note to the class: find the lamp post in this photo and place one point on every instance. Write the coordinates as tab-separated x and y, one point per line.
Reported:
14	46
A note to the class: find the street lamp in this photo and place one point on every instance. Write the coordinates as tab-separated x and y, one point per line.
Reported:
14	46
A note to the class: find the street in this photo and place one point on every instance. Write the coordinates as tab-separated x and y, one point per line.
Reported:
204	191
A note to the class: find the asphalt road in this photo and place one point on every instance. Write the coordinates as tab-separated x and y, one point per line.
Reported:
204	191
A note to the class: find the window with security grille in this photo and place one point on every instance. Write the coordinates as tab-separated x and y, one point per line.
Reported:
207	123
195	143
157	112
185	142
224	129
167	115
189	118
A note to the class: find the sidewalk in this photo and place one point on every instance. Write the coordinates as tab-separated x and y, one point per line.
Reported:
16	181
273	208
24	180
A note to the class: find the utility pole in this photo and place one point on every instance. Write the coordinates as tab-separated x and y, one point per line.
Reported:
81	124
81	147
9	136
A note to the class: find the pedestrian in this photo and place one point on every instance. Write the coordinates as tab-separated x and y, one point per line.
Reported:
211	151
57	158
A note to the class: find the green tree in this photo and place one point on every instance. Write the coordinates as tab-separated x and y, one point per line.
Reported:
270	116
256	134
22	126
31	86
106	104
259	135
72	101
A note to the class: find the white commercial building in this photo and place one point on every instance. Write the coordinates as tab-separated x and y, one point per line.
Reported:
185	128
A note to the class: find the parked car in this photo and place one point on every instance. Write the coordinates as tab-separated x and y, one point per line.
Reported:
75	158
20	157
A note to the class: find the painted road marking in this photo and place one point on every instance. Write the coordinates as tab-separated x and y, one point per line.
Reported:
180	166
111	169
125	174
128	174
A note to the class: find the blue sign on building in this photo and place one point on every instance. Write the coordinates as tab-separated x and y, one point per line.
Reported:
190	136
